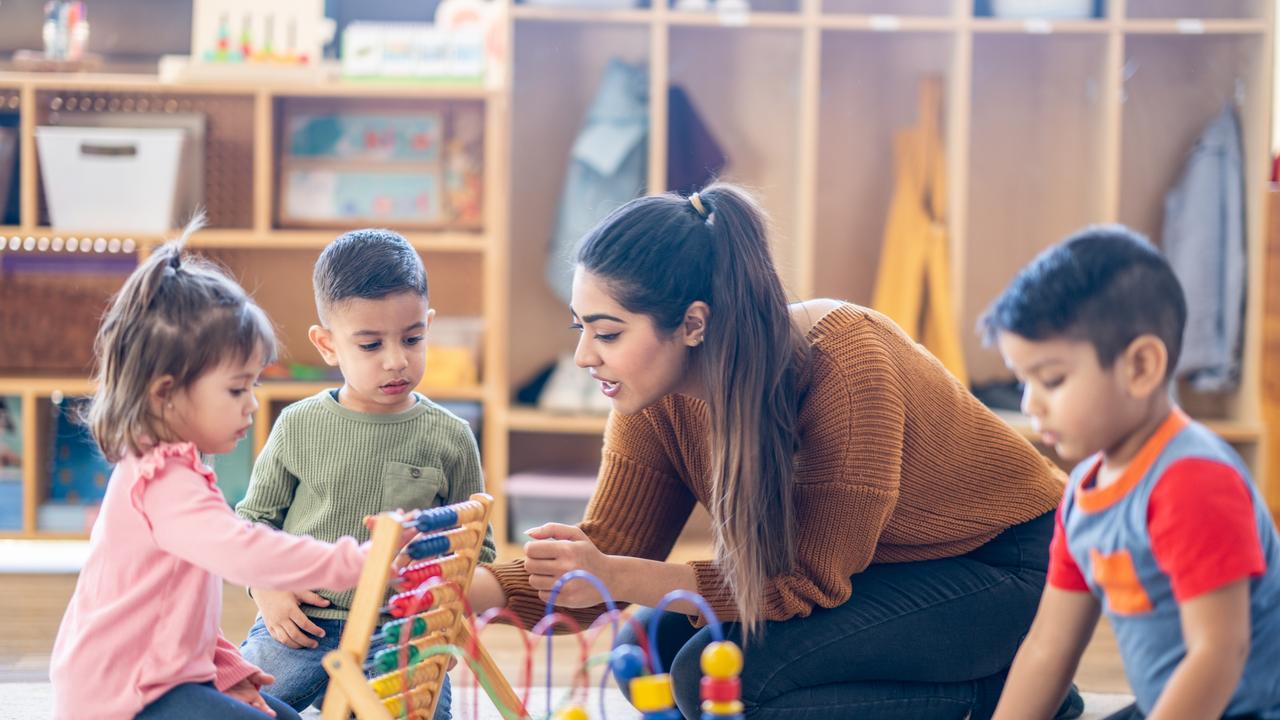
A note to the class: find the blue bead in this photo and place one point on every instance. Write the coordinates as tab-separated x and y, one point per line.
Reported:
436	519
626	662
428	547
672	714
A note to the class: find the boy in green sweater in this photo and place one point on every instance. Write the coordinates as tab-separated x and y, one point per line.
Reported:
370	446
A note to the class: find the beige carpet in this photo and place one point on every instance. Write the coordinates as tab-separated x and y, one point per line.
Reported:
31	701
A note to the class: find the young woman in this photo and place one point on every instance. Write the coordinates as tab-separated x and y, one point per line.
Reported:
881	538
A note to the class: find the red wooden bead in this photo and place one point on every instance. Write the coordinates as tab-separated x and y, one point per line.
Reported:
721	689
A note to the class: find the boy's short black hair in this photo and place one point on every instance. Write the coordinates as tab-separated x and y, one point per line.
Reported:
1106	284
369	264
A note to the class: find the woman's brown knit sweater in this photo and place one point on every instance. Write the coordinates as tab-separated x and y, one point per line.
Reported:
898	462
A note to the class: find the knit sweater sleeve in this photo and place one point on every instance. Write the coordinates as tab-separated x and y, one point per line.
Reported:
846	482
638	509
271	485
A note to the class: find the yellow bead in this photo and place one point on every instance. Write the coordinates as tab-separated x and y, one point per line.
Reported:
722	709
721	660
651	693
573	712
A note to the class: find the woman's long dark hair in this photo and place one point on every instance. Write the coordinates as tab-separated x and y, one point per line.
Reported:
658	255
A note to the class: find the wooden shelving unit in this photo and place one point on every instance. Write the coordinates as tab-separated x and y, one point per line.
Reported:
466	267
1049	125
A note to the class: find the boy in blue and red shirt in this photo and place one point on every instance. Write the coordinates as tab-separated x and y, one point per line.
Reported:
1160	526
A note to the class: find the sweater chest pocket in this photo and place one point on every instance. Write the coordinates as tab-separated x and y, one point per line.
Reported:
410	487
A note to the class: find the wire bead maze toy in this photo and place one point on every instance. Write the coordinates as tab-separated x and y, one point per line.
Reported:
640	666
432	622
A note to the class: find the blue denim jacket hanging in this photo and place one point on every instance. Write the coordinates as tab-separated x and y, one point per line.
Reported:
607	165
1204	239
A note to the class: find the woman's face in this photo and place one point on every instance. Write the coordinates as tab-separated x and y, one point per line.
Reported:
635	362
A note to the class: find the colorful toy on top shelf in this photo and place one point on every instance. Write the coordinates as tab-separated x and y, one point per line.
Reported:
288	32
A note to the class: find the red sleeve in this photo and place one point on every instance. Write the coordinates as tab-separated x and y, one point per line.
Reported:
1064	573
1203	527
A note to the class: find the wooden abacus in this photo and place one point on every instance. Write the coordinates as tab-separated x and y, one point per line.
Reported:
427	614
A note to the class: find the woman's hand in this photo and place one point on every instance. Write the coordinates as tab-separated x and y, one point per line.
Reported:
557	549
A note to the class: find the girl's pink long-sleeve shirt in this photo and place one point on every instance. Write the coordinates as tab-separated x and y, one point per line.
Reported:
144	616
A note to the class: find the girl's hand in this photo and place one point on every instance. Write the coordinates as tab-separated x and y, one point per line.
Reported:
247	692
557	549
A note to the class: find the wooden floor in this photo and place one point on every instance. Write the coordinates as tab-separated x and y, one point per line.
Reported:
31	607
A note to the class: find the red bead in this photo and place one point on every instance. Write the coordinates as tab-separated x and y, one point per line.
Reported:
721	689
410	603
418	573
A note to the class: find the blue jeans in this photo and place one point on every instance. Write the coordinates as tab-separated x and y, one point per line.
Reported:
202	701
928	640
300	676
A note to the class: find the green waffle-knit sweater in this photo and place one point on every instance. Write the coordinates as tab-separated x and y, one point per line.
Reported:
326	466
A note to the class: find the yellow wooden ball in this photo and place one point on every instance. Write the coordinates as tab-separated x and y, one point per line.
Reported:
721	660
572	712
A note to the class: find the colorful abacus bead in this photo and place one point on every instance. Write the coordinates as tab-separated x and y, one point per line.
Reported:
391	631
651	694
389	659
440	518
417	573
422	624
410	603
429	546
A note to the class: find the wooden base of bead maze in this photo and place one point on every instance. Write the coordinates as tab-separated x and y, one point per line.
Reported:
383	698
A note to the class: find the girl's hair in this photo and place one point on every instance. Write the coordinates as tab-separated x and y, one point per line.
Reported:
176	315
660	254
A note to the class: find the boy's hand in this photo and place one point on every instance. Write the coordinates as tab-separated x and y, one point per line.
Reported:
247	692
285	620
407	535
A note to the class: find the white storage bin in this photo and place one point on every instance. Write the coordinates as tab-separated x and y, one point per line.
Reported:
537	498
1047	9
110	179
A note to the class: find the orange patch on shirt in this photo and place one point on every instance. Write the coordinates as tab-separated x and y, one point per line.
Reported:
1119	580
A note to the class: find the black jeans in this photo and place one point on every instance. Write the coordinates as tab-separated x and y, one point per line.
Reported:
930	639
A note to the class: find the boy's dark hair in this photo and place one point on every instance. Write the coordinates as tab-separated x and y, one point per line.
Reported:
1106	284
369	264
